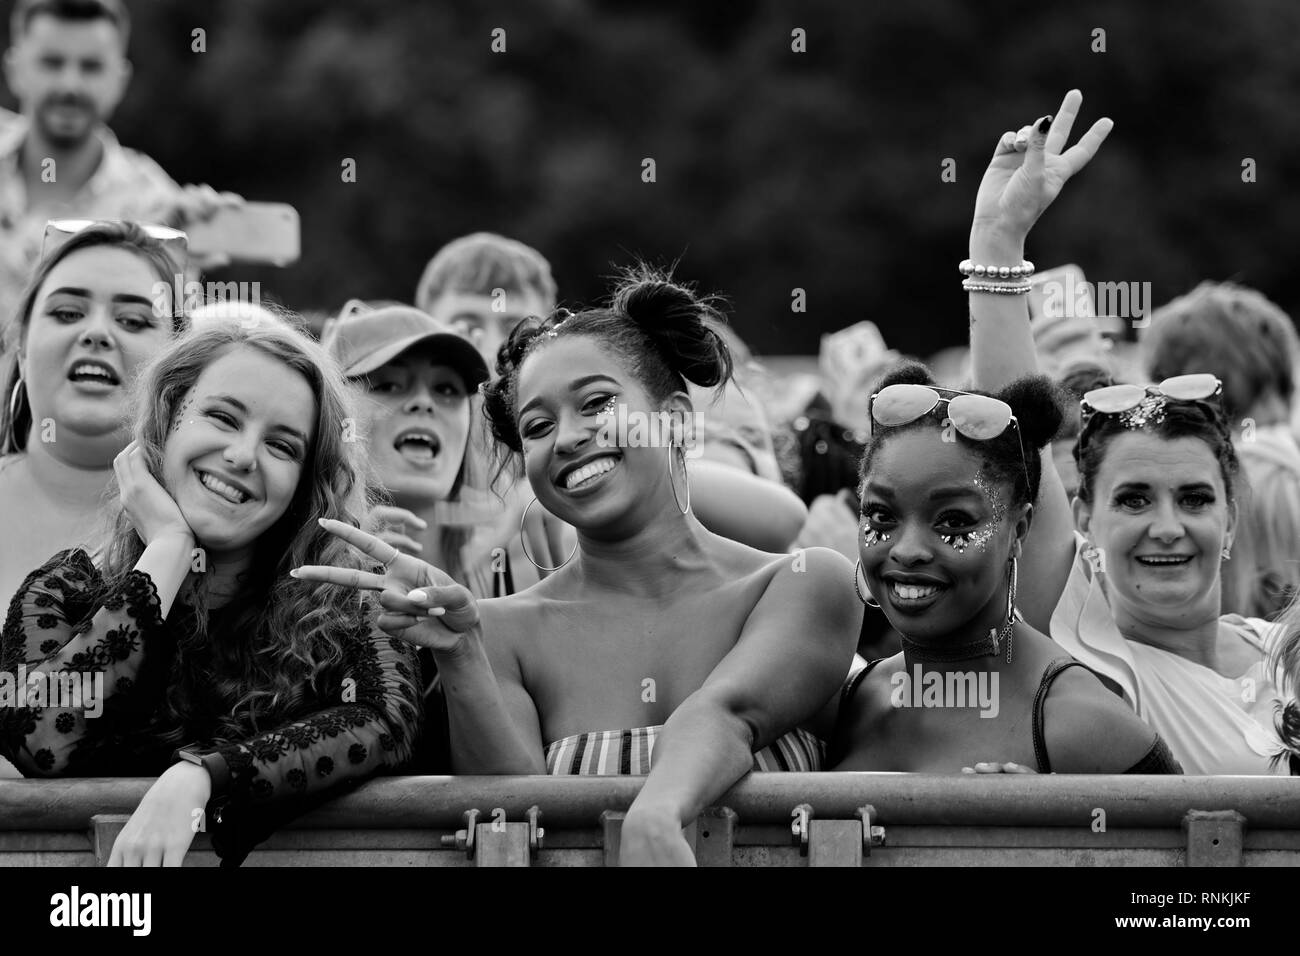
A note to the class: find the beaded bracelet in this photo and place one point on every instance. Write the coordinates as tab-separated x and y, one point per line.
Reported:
993	273
999	288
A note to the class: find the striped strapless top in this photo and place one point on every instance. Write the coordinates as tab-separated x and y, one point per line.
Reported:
624	752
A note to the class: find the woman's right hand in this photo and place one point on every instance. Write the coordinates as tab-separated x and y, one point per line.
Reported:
151	510
422	605
1029	169
384	520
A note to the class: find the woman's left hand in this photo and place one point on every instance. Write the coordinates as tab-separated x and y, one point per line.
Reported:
995	767
653	838
160	831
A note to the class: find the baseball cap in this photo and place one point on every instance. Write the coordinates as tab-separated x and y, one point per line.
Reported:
363	339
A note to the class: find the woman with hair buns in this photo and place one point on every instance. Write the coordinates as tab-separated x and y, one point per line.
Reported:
658	647
948	478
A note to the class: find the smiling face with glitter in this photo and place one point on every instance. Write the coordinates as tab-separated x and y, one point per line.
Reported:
936	536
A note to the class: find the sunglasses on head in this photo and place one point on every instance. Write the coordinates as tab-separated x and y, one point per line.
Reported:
59	231
978	417
1202	387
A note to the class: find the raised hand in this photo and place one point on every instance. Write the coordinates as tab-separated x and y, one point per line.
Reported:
1029	169
422	605
389	524
151	510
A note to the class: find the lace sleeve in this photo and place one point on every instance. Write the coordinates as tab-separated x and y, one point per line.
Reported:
65	650
294	767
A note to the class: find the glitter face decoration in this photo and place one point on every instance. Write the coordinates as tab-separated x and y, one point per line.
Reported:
980	537
871	537
609	406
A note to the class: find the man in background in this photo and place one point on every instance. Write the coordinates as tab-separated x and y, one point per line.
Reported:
67	67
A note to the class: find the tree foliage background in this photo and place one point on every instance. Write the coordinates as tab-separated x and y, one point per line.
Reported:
775	170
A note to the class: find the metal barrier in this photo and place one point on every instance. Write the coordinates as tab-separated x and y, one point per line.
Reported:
774	819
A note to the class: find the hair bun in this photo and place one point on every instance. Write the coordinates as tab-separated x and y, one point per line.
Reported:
906	373
674	318
1038	406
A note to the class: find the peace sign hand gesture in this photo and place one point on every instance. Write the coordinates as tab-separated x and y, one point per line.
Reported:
1029	169
422	605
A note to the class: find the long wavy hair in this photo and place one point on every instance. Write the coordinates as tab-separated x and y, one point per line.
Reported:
279	638
15	410
1284	660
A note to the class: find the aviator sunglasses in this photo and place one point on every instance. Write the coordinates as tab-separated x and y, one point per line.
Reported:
978	417
1201	388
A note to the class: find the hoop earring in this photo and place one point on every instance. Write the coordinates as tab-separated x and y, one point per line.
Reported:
857	574
13	398
523	543
11	426
673	484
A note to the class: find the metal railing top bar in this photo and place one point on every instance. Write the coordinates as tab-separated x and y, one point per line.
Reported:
764	798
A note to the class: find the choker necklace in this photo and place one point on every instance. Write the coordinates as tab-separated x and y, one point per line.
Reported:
944	654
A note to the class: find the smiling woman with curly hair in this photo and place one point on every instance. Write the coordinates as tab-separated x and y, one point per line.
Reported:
250	692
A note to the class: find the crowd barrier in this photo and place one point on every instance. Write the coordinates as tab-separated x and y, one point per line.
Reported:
772	819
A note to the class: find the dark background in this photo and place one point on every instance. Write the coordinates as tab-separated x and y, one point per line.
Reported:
775	169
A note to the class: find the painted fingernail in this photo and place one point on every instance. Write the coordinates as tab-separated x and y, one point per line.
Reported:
1045	124
437	611
417	596
321	522
293	572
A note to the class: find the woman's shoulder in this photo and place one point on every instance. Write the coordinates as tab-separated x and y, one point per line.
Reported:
1255	631
1078	712
71	565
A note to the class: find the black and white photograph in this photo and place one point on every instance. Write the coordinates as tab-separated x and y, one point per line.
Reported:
651	434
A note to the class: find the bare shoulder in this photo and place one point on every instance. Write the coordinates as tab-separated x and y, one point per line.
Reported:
506	620
1088	729
821	567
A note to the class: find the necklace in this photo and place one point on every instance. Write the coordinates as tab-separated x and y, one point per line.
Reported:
941	654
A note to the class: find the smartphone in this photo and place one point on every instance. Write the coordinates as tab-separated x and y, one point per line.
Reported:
265	233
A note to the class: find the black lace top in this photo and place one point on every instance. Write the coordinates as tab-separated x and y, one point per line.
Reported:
365	721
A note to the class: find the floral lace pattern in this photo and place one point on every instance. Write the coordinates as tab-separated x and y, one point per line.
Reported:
55	623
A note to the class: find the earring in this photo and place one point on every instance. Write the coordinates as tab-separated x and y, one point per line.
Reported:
1011	593
1226	553
523	543
673	484
11	429
857	576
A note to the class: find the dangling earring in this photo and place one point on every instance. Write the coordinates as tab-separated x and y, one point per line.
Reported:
1011	590
857	576
673	484
1008	632
1226	553
523	543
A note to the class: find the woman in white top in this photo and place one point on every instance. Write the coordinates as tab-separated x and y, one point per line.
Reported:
98	306
1130	583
